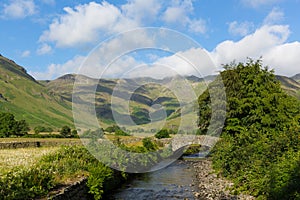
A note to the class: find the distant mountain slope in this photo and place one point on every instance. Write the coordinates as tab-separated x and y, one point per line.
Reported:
296	77
291	86
27	99
49	103
143	92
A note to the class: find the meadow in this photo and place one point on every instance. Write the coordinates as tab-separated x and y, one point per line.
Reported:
23	157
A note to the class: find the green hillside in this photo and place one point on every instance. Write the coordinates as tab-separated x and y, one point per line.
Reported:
143	92
49	103
23	96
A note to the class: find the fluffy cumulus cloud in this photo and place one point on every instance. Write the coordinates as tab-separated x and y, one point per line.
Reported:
19	9
284	58
109	59
56	70
179	13
141	10
85	23
240	29
194	61
90	23
268	42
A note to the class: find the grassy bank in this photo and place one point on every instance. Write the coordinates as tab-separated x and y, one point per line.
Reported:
59	167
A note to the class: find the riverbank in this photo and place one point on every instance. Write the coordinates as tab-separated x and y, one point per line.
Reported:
211	186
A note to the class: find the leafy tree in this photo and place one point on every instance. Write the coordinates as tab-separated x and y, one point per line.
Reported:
164	133
117	130
148	144
261	132
65	131
9	126
21	128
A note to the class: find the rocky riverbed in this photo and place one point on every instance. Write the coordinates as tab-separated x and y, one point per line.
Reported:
211	186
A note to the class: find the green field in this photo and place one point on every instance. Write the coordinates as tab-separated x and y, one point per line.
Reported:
23	157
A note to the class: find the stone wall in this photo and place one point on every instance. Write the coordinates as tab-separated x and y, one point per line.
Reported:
76	191
42	143
14	145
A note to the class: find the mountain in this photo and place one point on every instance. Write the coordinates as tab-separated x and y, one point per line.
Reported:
49	103
291	86
144	93
28	99
296	77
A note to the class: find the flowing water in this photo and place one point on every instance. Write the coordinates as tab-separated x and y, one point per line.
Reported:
177	181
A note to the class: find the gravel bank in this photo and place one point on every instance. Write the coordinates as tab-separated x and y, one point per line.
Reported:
212	187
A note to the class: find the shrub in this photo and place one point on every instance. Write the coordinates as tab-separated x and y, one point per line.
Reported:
164	133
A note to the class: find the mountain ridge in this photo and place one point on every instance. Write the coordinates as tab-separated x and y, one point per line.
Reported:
49	102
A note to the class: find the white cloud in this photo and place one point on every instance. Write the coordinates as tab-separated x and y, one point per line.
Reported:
253	45
197	26
90	23
57	70
179	13
85	23
25	54
175	14
240	29
257	3
44	49
19	9
98	62
284	58
270	42
194	61
275	16
140	10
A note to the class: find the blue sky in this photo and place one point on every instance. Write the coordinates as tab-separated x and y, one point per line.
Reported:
50	37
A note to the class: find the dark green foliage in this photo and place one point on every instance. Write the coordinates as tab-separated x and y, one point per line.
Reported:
164	133
117	130
25	183
148	144
66	132
11	127
259	148
40	129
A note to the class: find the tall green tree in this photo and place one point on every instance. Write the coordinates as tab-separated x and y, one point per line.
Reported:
260	134
11	127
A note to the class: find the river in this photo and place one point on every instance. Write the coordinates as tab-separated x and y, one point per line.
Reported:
177	181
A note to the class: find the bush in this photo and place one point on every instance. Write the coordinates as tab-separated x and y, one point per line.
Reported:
164	133
117	130
148	144
11	127
40	129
